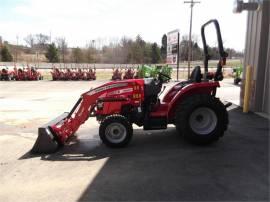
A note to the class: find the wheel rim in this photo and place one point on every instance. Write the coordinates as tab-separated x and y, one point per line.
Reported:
203	120
115	132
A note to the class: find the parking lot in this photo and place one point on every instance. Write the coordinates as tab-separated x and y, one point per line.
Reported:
156	166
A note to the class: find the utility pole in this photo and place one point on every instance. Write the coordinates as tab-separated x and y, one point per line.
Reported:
178	54
94	46
17	39
50	37
192	3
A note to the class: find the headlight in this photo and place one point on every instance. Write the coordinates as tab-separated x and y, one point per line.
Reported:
100	105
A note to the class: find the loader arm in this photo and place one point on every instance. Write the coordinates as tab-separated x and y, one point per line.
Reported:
56	132
75	118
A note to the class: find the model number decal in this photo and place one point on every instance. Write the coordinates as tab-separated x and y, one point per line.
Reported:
117	92
97	90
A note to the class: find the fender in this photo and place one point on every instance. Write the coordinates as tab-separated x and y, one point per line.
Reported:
188	90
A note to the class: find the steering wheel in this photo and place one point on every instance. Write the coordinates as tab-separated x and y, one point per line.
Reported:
164	75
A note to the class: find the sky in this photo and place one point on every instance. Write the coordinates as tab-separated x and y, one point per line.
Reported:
82	21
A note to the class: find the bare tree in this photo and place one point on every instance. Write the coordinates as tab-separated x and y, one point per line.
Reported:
42	40
62	46
30	40
77	55
90	52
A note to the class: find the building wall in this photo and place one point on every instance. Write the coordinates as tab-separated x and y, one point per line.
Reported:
257	55
266	100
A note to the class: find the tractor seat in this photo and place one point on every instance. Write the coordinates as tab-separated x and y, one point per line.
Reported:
196	75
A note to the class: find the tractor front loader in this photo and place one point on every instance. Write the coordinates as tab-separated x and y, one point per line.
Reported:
192	106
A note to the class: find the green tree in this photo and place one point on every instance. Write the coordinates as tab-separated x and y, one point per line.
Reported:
147	53
62	47
155	55
163	49
184	49
137	50
5	55
77	55
213	53
126	52
197	52
52	53
90	54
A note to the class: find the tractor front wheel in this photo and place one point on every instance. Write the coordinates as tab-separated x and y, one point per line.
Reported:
201	119
115	131
236	81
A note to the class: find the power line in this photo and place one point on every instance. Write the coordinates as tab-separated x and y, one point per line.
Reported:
192	3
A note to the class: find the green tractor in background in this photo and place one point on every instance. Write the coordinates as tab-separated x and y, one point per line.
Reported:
147	71
237	74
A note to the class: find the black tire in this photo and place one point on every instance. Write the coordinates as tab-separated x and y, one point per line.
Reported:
120	123
188	118
236	81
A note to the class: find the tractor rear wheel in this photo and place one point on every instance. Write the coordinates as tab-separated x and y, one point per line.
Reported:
115	131
201	118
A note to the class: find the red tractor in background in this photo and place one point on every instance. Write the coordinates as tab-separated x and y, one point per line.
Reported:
64	74
4	74
192	106
32	74
21	74
129	74
91	74
117	74
67	74
55	73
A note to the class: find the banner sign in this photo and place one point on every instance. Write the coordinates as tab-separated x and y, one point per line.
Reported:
172	40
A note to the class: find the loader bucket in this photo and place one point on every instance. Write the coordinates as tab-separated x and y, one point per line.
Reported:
48	141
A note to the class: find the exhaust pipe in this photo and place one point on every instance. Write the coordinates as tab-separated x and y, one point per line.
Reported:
48	141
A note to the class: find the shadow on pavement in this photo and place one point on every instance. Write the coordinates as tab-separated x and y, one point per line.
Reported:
161	166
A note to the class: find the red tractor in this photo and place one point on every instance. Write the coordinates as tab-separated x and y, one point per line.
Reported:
74	74
25	74
68	74
19	74
33	74
192	106
79	74
91	74
4	74
55	74
117	74
129	74
84	74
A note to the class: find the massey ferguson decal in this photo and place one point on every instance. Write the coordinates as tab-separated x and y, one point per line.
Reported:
97	90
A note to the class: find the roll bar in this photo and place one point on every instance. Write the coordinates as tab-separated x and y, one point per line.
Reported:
223	55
